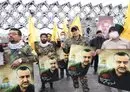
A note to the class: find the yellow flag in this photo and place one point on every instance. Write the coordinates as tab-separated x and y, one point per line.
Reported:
54	33
65	28
76	22
32	33
126	32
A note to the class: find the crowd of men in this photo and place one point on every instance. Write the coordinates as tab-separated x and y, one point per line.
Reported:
20	53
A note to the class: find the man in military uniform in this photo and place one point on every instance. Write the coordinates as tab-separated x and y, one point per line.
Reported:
17	50
45	48
119	76
24	81
76	39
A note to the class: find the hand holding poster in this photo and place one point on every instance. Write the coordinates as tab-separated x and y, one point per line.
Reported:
48	69
79	60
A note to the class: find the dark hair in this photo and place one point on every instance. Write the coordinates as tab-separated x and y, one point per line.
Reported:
23	68
99	31
87	50
119	28
62	32
112	28
1	48
49	34
74	28
122	54
43	34
15	29
52	56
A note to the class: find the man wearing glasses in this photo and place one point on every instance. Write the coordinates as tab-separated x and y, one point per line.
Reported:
18	51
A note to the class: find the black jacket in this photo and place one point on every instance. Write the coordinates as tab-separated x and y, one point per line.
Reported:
110	78
17	89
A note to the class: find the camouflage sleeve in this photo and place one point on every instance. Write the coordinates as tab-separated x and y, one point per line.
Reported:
52	48
5	56
28	55
52	51
37	48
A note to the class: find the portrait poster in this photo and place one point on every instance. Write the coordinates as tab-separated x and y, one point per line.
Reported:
76	59
114	68
10	78
48	69
104	23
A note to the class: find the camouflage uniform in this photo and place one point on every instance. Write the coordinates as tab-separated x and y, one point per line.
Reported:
25	53
44	50
81	41
68	42
49	51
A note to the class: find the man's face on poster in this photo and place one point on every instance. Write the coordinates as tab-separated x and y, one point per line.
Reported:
87	56
24	78
53	64
104	26
122	64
